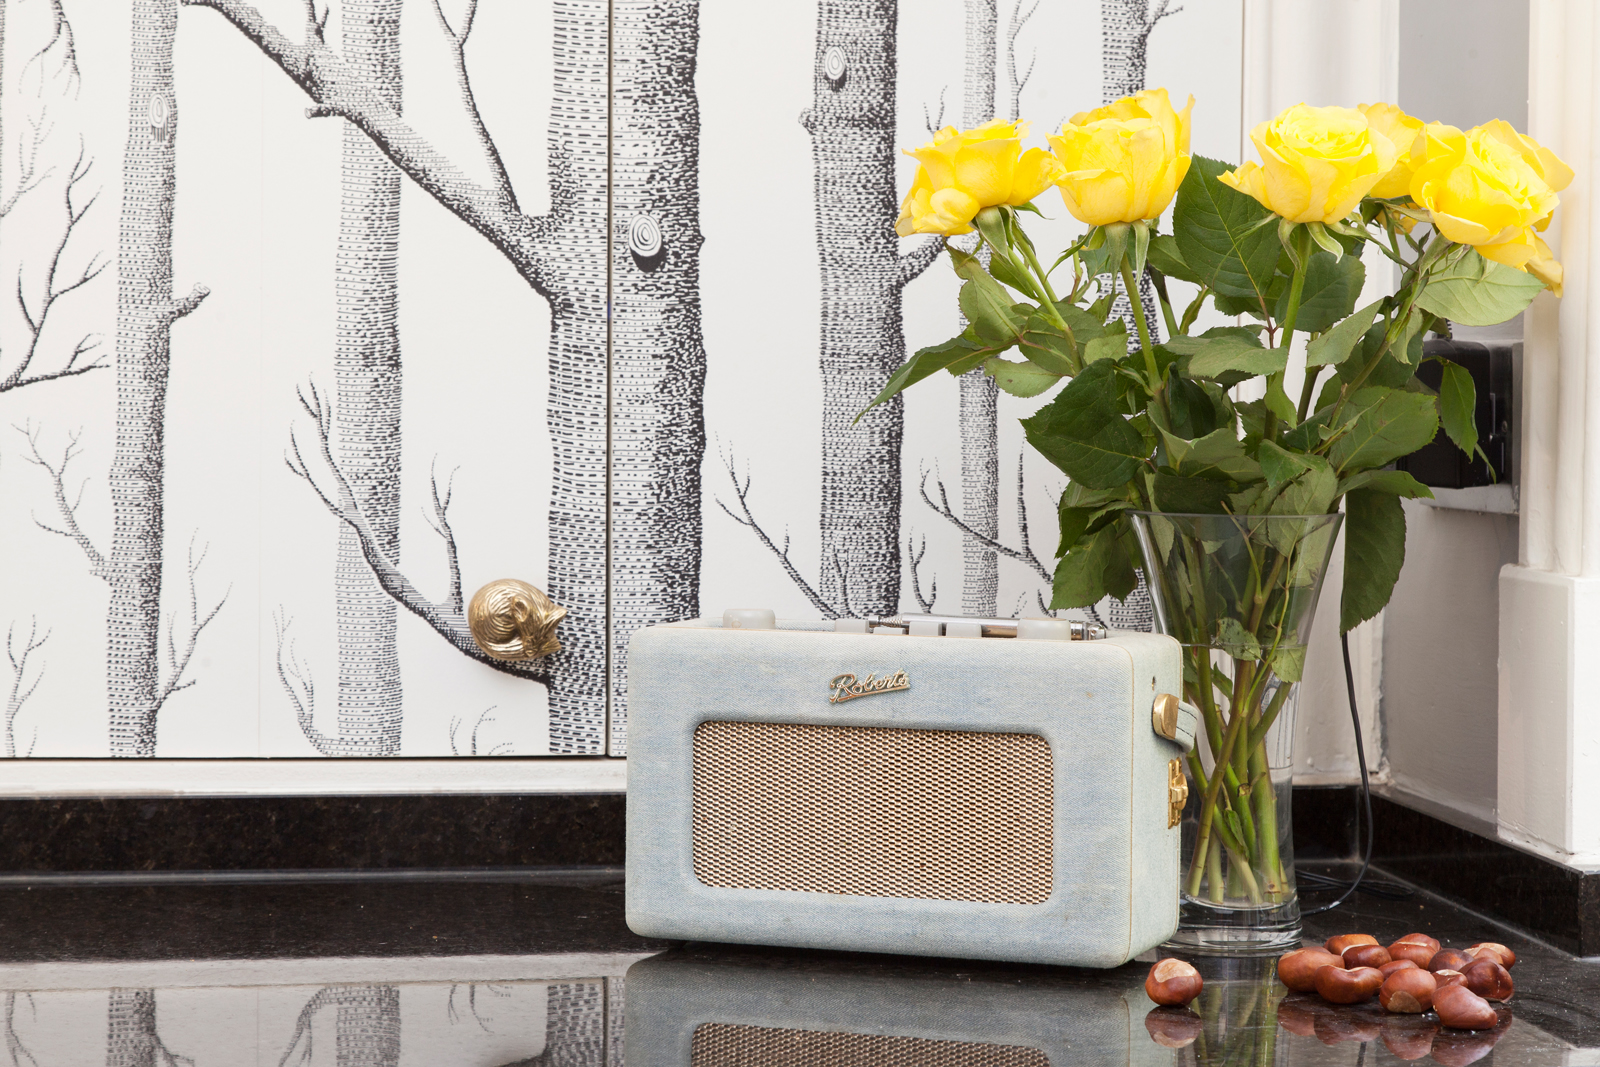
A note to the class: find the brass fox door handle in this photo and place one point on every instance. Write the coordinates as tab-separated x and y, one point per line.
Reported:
511	620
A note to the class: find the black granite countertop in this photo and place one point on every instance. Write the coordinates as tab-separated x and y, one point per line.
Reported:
539	968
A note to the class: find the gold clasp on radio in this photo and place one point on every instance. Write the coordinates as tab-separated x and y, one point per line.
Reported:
1177	792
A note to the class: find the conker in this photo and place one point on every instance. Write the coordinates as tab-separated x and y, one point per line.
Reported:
1341	985
1409	1037
1173	1027
1298	969
1461	1008
1452	959
1338	944
1418	948
1457	1048
1485	977
1366	956
1298	1015
1508	959
1173	981
1397	965
1449	977
1408	991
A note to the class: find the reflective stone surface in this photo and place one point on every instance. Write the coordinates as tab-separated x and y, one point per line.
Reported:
541	969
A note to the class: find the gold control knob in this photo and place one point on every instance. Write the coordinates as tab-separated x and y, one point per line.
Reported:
512	620
1164	716
1177	792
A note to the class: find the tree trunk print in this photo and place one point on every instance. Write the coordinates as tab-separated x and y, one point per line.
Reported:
132	1039
366	1026
575	1030
564	257
980	442
852	127
658	356
367	373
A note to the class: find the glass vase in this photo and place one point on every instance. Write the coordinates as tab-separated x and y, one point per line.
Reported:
1239	593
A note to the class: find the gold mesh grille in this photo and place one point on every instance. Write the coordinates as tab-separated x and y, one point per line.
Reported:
873	811
725	1045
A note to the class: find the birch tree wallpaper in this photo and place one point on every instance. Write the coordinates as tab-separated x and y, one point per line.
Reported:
321	314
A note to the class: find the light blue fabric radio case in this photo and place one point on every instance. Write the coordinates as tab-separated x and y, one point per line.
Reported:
910	787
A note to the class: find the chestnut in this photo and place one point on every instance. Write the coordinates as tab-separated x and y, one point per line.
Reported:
1397	965
1173	981
1298	1015
1457	1048
1298	969
1342	985
1461	1008
1173	1027
1408	991
1449	977
1508	959
1409	1037
1485	977
1452	959
1339	943
1366	956
1418	948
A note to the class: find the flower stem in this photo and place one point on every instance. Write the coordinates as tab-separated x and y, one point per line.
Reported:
1136	307
1297	287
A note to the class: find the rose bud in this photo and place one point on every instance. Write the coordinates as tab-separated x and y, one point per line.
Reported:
1409	1037
1396	965
1173	1027
1461	1008
1172	982
1452	959
1408	991
1418	948
1337	945
1508	959
1298	969
1457	1048
1449	977
1485	977
1340	985
1333	1027
1298	1015
1366	956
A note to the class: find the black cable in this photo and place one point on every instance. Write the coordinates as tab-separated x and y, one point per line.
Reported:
1366	789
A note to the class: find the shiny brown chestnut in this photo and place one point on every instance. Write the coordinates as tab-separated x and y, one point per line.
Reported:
1449	977
1461	1008
1339	943
1451	959
1408	1037
1298	969
1366	956
1508	959
1408	991
1298	1014
1485	977
1173	1027
1397	965
1341	985
1173	981
1418	948
1457	1048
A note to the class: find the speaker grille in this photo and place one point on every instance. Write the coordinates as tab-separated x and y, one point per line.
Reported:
873	811
726	1045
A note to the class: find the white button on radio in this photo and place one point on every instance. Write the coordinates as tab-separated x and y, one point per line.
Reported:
749	619
963	629
850	626
924	627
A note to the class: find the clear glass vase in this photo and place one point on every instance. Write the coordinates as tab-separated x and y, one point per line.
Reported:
1239	593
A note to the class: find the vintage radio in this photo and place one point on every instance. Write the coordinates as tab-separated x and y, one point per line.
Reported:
981	788
712	1007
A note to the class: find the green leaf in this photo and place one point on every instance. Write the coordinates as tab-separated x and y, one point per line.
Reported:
1218	454
1079	321
1397	483
984	301
1095	567
1076	522
1009	273
1112	344
1082	432
1019	379
1165	257
1280	465
1335	345
1478	292
1239	305
1045	345
1220	233
1194	410
1330	293
1311	493
1391	424
1288	662
1238	642
928	361
1279	404
1176	494
1374	552
1212	357
1458	406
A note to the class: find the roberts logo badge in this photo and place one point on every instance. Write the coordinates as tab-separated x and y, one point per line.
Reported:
845	687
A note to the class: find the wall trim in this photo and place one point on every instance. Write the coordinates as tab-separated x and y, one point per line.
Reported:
59	778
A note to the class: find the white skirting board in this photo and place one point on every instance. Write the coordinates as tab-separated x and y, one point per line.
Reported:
307	777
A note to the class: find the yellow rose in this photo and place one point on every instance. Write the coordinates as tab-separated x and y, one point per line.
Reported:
1549	166
1544	266
1401	130
1123	162
1316	163
965	171
1480	191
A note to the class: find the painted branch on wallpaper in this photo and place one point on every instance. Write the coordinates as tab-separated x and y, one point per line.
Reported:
852	125
18	653
132	1039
